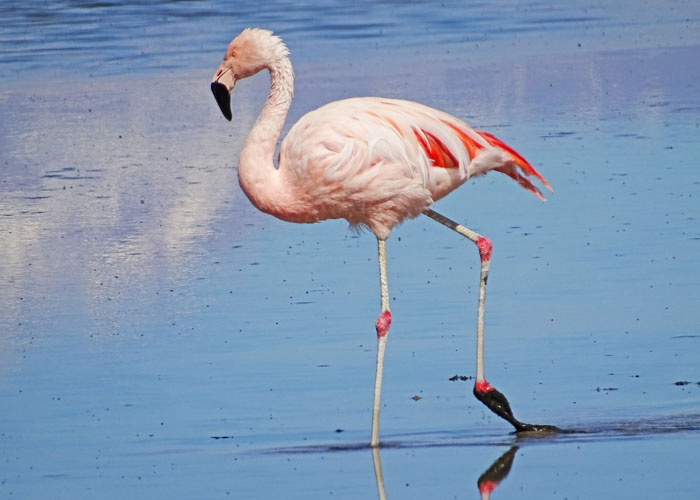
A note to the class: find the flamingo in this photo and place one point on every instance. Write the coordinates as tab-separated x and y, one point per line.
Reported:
372	161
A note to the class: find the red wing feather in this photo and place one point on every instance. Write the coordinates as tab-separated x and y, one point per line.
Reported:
472	146
438	153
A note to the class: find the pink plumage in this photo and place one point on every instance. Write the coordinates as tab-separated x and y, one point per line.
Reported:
373	161
377	161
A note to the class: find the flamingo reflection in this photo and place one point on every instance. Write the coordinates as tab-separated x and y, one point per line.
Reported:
487	482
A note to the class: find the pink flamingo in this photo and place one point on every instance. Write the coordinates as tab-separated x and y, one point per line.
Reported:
372	161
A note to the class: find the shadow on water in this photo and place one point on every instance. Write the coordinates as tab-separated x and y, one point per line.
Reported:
602	431
499	469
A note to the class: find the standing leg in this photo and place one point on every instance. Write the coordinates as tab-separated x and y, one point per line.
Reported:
382	325
485	392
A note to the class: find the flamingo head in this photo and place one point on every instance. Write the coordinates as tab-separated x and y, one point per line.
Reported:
250	52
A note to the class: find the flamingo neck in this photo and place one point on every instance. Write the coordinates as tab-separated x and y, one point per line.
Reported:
257	175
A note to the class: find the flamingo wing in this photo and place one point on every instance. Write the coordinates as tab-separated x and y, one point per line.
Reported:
389	159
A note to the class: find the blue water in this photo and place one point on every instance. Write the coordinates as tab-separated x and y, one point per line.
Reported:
111	37
159	337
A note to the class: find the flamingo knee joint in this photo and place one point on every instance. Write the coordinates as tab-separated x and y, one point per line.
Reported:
485	247
383	323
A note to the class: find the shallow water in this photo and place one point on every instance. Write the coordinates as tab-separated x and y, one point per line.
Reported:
159	337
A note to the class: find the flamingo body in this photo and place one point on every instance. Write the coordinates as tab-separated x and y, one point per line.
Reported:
373	161
377	161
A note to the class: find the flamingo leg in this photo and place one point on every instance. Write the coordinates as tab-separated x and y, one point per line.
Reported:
485	392
484	246
382	326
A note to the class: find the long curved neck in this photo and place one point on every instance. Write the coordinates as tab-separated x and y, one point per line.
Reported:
256	171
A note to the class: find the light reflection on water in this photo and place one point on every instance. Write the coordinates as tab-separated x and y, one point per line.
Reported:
97	196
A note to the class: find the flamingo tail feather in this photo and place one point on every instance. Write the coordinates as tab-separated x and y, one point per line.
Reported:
521	162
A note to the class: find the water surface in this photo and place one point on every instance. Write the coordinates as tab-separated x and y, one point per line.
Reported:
160	337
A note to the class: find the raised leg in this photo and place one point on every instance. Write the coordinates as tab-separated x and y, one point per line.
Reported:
382	325
485	392
484	246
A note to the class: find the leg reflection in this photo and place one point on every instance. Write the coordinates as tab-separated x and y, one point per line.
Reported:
498	471
378	472
487	482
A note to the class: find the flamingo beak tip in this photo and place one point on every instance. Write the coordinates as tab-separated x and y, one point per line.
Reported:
223	98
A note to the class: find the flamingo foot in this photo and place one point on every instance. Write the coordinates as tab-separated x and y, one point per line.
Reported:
498	403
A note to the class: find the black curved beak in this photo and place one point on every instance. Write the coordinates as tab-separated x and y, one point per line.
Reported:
223	98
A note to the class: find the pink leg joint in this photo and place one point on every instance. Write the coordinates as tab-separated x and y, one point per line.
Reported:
487	487
485	247
383	323
482	386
